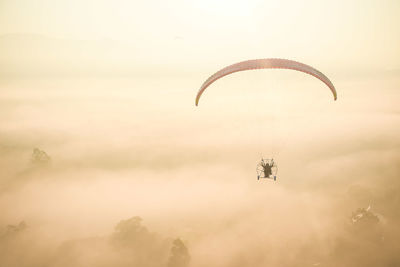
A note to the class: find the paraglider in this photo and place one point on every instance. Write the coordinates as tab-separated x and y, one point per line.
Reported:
267	168
267	63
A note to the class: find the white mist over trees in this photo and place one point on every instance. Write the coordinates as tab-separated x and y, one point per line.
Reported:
131	244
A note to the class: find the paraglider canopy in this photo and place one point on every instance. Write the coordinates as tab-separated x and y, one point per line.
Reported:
267	63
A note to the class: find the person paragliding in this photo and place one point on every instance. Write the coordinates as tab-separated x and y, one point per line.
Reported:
267	169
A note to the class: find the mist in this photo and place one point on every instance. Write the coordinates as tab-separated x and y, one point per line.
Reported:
106	161
126	175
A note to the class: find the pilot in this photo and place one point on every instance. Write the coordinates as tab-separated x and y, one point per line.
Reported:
267	168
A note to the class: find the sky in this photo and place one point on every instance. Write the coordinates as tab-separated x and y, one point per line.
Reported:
339	35
140	176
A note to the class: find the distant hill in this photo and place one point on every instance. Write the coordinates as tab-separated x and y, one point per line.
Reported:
32	55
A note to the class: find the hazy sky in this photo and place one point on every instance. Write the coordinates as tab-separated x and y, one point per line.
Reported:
336	34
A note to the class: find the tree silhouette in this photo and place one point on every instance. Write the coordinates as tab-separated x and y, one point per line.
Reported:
179	256
39	157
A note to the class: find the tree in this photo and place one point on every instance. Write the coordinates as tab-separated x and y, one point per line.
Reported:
39	157
179	255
